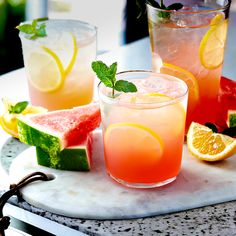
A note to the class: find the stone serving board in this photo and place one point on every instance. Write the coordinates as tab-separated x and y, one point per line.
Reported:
94	195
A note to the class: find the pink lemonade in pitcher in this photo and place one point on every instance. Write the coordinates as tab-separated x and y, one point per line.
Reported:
190	45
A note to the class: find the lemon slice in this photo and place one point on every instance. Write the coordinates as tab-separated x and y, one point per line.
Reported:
208	146
127	141
211	49
67	51
74	54
8	122
45	70
188	78
150	97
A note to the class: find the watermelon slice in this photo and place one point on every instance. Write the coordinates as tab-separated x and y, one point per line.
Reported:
227	100
231	118
56	130
74	158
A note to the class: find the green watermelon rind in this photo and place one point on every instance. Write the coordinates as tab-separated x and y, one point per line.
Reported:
73	159
35	137
231	119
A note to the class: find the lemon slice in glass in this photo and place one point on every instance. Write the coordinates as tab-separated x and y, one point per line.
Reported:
211	49
188	78
67	51
45	70
127	141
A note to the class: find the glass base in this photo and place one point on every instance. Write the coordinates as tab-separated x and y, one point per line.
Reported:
142	185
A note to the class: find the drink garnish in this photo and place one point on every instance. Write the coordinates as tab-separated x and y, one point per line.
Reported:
162	14
107	75
17	108
33	30
206	145
230	131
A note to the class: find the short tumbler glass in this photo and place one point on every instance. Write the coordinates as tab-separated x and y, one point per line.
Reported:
58	66
143	132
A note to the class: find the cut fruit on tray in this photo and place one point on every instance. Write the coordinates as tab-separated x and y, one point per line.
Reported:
8	120
73	158
57	130
208	146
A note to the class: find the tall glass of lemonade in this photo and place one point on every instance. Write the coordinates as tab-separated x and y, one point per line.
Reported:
189	43
143	132
58	66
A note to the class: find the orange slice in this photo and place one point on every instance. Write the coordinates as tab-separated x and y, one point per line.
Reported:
211	50
125	142
188	78
208	146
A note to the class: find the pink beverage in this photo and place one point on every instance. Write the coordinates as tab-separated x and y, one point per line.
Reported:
190	43
58	66
139	129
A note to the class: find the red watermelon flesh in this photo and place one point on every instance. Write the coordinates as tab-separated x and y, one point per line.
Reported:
227	100
74	124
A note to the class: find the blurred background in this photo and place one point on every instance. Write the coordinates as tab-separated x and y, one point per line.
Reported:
119	22
110	16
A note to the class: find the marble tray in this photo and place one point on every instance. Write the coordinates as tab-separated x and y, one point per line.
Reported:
94	195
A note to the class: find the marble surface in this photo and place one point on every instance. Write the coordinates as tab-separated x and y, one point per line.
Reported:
93	195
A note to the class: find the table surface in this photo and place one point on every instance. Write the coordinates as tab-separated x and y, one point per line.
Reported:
211	220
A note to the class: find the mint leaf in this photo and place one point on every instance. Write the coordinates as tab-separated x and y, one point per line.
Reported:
211	126
18	108
107	75
26	28
162	14
33	30
125	86
103	73
153	3
230	131
175	6
41	30
113	70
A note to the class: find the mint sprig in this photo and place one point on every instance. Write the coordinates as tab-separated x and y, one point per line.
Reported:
18	107
165	15
33	30
107	75
230	131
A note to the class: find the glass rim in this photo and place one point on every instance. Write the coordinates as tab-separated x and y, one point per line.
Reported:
226	6
85	24
143	105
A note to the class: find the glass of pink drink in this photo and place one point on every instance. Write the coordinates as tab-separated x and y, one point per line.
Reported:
58	66
139	129
191	42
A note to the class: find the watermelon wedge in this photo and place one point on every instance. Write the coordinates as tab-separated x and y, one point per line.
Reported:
73	158
54	131
227	100
231	118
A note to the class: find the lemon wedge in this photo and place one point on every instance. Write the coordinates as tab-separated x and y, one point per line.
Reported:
211	49
8	121
208	146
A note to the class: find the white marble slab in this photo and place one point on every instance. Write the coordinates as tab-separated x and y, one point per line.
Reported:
93	195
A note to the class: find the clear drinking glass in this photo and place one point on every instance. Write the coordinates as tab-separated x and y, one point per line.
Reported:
58	66
143	132
189	43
